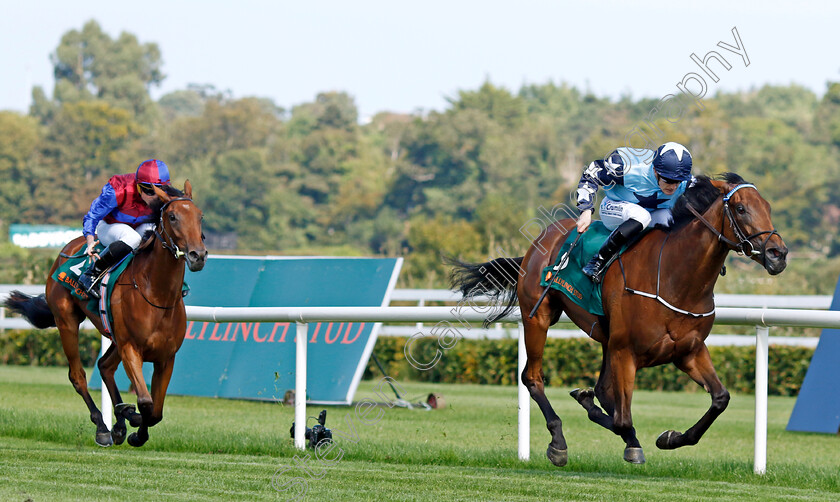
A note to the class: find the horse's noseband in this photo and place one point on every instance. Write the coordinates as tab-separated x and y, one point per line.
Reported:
168	242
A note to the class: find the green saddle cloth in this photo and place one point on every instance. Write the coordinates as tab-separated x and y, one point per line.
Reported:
571	280
67	274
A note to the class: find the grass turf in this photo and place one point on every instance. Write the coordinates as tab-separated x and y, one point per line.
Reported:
225	449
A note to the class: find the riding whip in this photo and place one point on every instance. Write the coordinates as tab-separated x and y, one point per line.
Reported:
560	265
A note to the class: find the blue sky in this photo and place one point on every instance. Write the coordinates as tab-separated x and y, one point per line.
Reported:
409	56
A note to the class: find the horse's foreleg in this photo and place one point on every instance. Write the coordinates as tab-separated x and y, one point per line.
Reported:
160	382
69	330
604	391
133	364
623	381
699	367
532	378
108	364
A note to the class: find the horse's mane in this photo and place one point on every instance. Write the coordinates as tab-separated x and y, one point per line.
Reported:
700	195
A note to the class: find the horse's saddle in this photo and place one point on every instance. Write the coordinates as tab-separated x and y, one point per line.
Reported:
67	274
570	280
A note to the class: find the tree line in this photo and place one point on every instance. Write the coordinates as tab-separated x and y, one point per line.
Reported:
462	181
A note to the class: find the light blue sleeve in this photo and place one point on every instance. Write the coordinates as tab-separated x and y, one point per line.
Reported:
99	208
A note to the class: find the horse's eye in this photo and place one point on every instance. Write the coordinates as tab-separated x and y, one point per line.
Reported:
740	208
172	217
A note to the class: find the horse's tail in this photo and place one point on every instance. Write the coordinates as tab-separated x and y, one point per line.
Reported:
496	279
33	308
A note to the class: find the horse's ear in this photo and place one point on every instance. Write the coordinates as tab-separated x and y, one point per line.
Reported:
161	194
188	189
722	186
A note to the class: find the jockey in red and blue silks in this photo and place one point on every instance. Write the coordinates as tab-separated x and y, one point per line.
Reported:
640	187
119	217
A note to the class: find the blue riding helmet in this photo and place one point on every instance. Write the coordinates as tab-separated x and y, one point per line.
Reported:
672	161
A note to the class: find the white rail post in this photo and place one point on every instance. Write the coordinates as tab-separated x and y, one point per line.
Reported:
420	303
300	386
762	336
524	401
107	405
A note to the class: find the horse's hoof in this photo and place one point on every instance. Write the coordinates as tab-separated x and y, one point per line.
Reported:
135	420
129	412
125	409
134	440
667	440
557	457
103	439
118	435
634	455
581	394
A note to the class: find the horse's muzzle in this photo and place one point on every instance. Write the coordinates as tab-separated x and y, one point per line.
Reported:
775	259
196	260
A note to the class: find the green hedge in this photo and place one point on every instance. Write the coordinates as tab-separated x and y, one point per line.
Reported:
576	362
43	347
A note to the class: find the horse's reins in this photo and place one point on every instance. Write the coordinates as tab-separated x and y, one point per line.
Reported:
741	247
656	296
170	246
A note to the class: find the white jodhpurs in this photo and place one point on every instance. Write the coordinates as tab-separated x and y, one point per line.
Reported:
614	213
112	232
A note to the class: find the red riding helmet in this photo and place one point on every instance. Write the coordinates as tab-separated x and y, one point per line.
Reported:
152	171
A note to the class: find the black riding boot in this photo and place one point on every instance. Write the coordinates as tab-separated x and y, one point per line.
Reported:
619	237
109	257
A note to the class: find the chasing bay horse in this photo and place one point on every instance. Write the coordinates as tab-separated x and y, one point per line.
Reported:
676	268
149	319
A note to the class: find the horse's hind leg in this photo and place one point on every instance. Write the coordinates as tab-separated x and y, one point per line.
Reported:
69	330
699	367
532	377
586	398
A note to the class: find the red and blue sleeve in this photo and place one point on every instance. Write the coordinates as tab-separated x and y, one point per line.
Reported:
99	209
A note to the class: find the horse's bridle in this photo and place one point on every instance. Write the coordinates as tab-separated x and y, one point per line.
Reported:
171	246
745	245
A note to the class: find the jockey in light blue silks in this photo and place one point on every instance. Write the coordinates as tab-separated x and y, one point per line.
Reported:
640	188
120	216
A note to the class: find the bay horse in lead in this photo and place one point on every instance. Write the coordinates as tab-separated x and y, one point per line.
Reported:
680	264
148	311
